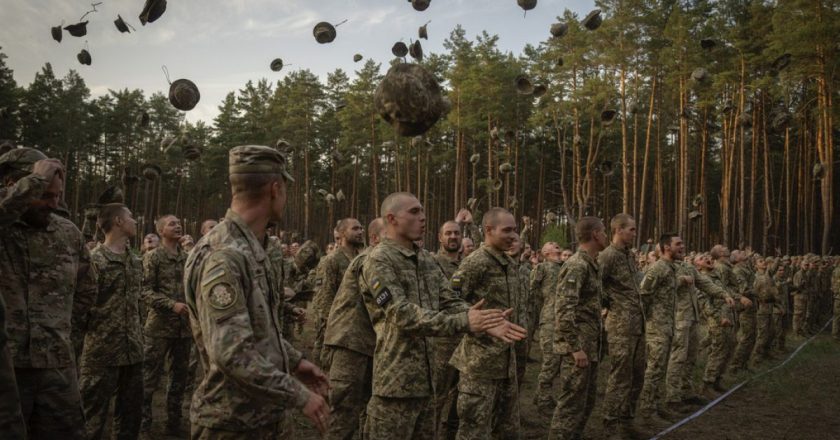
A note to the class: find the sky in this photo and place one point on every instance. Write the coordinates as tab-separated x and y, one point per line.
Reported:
221	44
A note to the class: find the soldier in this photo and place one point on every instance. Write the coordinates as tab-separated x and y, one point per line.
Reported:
446	376
624	325
235	296
300	276
464	218
150	242
408	300
329	273
12	425
801	287
578	327
658	290
467	246
781	309
348	343
167	332
112	360
695	290
543	283
524	313
719	317
744	278
207	226
48	286
835	288
766	292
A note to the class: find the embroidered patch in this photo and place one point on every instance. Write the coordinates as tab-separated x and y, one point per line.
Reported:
383	297
457	282
375	284
221	296
212	275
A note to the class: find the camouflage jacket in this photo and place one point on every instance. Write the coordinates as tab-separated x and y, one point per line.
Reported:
329	273
835	282
408	299
163	286
493	276
804	283
543	287
577	307
782	306
349	325
727	279
745	278
47	282
659	289
115	329
447	265
690	299
235	296
766	291
620	277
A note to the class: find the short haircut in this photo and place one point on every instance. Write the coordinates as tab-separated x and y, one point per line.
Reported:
665	240
717	251
491	217
394	202
161	221
620	221
251	186
375	227
448	222
344	223
107	213
586	227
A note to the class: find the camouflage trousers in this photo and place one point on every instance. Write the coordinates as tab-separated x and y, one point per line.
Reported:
124	384
318	344
446	387
800	306
681	361
156	351
835	320
721	342
658	350
550	366
780	331
350	376
746	338
488	408
627	374
51	403
575	399
281	429
12	425
400	418
763	331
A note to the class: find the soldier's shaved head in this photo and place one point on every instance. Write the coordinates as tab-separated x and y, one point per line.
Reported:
375	228
395	202
492	216
405	219
719	251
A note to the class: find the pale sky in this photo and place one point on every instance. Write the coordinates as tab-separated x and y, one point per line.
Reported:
221	44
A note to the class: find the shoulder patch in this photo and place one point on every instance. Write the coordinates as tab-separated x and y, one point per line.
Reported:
212	275
457	282
221	296
383	297
375	284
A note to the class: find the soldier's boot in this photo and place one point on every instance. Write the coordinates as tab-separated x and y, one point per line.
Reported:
718	387
678	408
695	400
652	419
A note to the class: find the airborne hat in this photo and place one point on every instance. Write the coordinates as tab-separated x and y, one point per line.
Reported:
19	159
423	32
399	49
560	29
523	85
77	30
56	33
121	25
593	20
358	57
277	65
184	94
324	32
420	5
410	99
257	159
152	10
84	57
416	51
527	5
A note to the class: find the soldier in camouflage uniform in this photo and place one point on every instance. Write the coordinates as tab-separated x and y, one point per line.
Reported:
488	398
464	219
329	273
234	292
767	295
624	326
12	425
448	258
744	278
167	332
835	289
112	360
578	329
525	313
48	286
543	286
409	300
719	318
658	290
802	282
781	310
300	276
349	342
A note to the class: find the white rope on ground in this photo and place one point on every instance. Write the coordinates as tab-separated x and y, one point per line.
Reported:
723	396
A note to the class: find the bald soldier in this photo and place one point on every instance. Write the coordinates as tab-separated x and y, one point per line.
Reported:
409	300
543	284
744	278
350	239
234	291
445	375
348	347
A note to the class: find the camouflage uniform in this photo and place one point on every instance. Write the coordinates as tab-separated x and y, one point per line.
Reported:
526	319
543	287
688	311
721	339
167	334
781	313
767	294
112	360
658	291
349	341
625	333
235	296
744	277
329	274
408	300
835	288
445	375
300	276
801	291
488	401
577	326
12	425
49	286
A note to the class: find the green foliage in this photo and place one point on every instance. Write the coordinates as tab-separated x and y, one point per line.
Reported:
557	233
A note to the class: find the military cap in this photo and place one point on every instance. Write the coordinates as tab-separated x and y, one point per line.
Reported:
77	30
152	10
257	159
19	159
183	94
84	57
56	33
121	25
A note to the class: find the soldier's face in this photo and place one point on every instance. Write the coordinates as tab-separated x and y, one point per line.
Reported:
677	248
450	237
627	235
39	210
409	222
151	241
467	246
127	224
503	234
355	234
565	255
171	228
208	226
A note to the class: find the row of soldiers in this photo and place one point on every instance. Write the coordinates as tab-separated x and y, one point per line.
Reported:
410	344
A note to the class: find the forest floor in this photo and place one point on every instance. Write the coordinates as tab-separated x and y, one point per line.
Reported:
800	401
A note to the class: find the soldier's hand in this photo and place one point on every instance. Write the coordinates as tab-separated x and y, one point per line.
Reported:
724	322
481	320
729	301
299	315
464	216
508	331
313	377
581	360
746	302
47	168
180	308
317	411
687	280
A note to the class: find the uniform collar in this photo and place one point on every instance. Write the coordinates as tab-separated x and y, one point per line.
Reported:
444	254
586	257
111	255
256	247
500	257
408	253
